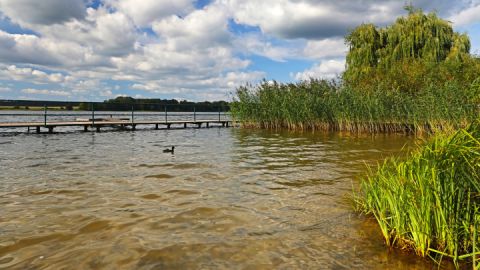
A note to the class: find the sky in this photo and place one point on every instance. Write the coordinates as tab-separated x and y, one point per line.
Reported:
93	50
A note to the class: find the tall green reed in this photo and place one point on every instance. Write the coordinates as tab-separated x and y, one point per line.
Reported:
329	105
430	202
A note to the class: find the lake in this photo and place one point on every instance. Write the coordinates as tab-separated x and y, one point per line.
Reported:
228	198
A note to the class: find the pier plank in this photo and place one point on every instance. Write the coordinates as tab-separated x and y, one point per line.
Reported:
111	122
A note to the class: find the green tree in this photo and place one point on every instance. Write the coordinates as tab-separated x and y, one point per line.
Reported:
418	39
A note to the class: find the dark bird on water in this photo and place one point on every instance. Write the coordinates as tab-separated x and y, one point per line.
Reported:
169	150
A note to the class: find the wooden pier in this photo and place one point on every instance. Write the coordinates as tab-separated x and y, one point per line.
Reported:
122	124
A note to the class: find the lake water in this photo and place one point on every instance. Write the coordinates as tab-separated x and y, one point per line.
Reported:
229	198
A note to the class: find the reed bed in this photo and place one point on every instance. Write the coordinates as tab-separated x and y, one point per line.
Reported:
329	105
430	203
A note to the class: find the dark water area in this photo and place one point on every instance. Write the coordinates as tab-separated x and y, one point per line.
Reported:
228	198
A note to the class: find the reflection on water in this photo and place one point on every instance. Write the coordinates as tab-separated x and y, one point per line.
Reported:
227	198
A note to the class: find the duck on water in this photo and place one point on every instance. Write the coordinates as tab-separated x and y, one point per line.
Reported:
169	150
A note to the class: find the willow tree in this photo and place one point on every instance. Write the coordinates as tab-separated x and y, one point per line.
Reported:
418	37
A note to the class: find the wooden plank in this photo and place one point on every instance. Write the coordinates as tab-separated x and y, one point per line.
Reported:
110	122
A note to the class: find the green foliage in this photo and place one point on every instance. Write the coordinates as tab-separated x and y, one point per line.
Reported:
152	104
430	202
327	105
418	45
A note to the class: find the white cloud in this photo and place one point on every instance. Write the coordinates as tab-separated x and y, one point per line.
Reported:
324	70
198	30
467	16
144	12
310	19
102	33
32	75
31	49
45	92
106	93
326	48
319	19
257	44
45	12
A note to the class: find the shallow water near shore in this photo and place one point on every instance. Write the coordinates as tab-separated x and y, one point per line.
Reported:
229	198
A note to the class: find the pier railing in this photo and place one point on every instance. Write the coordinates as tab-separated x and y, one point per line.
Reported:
154	112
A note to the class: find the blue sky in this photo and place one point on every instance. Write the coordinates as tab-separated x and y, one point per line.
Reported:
92	50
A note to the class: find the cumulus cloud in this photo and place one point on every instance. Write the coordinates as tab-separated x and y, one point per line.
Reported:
45	12
200	29
31	49
326	48
467	16
319	19
257	44
32	75
309	19
324	70
45	92
101	33
144	12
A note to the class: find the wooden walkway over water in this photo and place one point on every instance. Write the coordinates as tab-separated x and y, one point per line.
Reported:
122	124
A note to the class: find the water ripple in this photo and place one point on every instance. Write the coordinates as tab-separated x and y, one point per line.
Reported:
228	198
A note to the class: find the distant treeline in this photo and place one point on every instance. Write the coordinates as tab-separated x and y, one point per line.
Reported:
22	104
123	104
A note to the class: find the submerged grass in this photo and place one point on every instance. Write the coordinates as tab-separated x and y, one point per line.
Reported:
327	105
430	203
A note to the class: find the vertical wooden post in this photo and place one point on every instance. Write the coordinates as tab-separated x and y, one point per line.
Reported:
133	108
166	115
93	114
194	114
218	114
45	115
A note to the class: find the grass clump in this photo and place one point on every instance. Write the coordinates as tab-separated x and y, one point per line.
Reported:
332	106
430	203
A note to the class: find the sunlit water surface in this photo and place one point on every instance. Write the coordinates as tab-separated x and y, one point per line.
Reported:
228	198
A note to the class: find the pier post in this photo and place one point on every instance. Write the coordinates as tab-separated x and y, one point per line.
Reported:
50	129
156	126
93	114
185	125
194	114
98	128
133	127
166	116
133	108
45	115
85	128
38	129
208	124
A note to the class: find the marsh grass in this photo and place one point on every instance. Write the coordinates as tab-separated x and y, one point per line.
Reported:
430	203
327	105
